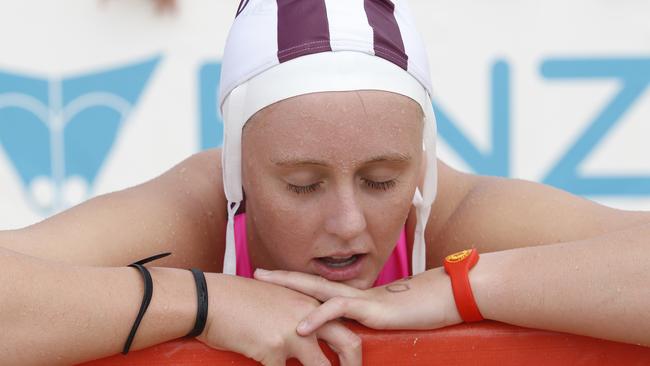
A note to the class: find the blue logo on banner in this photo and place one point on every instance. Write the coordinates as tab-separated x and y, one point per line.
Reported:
57	133
211	131
497	160
634	78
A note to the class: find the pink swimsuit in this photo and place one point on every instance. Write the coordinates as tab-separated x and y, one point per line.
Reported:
396	266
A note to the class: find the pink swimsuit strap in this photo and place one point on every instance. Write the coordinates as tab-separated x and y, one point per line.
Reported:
395	268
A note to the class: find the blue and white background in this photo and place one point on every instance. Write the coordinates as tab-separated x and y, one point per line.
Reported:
97	96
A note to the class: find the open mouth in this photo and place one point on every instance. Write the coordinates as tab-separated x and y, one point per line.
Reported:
339	268
339	262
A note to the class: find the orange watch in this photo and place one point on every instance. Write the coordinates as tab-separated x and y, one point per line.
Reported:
457	266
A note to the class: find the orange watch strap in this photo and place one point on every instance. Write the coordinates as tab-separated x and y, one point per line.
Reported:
457	266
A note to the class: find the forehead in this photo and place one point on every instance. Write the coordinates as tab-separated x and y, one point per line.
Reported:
355	103
358	123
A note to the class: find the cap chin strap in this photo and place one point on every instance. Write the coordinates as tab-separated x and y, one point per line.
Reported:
423	202
233	108
418	257
230	257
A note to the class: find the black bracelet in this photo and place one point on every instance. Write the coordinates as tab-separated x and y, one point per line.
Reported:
202	300
148	293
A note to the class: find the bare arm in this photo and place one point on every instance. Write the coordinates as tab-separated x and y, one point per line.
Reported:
592	279
55	313
596	287
182	211
58	296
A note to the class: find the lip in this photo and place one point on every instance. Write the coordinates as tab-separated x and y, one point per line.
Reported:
342	254
340	274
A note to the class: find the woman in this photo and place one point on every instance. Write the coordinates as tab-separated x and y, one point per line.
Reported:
326	106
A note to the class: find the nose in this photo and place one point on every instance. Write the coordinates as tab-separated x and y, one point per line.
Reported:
345	216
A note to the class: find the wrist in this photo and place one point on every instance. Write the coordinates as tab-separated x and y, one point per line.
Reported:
452	316
488	282
172	311
458	266
217	283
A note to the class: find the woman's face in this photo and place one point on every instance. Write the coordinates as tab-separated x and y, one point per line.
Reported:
329	179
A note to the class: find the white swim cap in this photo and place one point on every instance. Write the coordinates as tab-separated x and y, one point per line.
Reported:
278	49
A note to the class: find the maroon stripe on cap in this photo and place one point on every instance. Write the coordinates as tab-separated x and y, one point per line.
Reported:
302	28
387	38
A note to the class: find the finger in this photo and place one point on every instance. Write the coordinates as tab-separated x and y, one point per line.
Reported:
352	308
309	284
309	353
343	341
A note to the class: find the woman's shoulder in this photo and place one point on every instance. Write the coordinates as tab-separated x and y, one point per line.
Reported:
200	176
194	188
203	171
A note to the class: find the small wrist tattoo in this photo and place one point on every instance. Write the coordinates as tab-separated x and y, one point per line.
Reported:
399	286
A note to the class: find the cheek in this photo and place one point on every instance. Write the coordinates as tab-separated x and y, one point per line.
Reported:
282	227
388	216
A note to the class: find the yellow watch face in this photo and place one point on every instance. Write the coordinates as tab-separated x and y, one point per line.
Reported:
457	257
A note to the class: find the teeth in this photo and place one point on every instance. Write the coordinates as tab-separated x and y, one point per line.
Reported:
339	261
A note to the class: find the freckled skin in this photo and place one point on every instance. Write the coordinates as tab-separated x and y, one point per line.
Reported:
344	130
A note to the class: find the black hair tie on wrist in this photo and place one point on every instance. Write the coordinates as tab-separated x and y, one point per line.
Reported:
148	293
202	300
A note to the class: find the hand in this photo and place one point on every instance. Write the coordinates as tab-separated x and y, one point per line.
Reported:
425	301
259	320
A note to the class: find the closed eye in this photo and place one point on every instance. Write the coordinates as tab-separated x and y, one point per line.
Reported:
380	186
303	189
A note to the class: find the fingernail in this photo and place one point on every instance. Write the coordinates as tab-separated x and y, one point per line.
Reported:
261	272
302	327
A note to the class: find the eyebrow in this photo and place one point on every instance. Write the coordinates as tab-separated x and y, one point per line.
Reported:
390	157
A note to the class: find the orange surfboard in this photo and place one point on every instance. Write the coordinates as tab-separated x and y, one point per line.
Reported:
486	343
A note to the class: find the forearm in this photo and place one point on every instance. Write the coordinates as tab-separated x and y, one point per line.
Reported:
53	313
597	287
